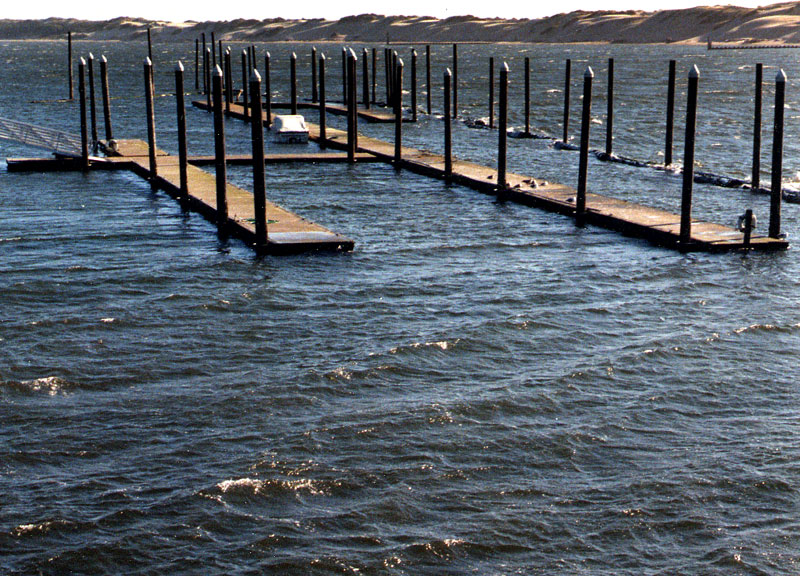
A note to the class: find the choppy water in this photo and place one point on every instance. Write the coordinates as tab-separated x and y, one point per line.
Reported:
477	388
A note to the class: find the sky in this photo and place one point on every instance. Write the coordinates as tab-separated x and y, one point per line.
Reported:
181	10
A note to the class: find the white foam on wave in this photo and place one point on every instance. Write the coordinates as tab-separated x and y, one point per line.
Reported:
254	486
51	385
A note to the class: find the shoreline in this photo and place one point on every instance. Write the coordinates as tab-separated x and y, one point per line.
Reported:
777	24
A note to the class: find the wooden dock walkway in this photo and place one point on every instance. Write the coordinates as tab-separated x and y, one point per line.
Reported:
288	233
373	115
657	226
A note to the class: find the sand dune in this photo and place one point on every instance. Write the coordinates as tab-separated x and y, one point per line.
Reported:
774	23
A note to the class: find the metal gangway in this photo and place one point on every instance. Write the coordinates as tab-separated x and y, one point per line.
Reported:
59	143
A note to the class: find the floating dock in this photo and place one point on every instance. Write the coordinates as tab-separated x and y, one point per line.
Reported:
631	219
288	232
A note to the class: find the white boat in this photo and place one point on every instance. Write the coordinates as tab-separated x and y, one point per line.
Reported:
290	129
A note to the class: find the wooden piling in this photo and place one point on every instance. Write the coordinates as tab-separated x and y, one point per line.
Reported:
92	101
491	92
351	100
268	89
314	90
527	95
455	81
221	59
448	132
670	113
245	76
413	85
149	94
259	184
688	158
149	45
206	77
755	181
197	64
428	77
352	79
387	80
502	149
207	65
293	80
344	75
183	163
322	120
777	157
365	79
583	162
82	103
69	66
228	82
106	97
219	152
214	52
374	74
398	114
567	82
610	109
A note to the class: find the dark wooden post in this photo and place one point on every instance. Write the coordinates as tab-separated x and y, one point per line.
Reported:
84	126
206	77
755	181
259	184
777	158
106	97
491	92
214	52
374	73
583	162
567	82
314	91
207	64
413	85
448	133
688	158
352	104
92	102
670	113
455	81
322	105
181	110
610	109
221	59
228	82
387	76
293	80
244	84
527	95
344	76
69	66
197	64
365	79
149	94
219	153
428	76
398	114
395	87
249	66
149	45
267	90
502	149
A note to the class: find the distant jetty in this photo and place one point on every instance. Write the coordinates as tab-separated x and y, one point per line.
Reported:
774	25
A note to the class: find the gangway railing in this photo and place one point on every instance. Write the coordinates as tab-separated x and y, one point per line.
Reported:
59	143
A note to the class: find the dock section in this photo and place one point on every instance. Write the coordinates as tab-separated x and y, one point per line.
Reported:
629	218
288	233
